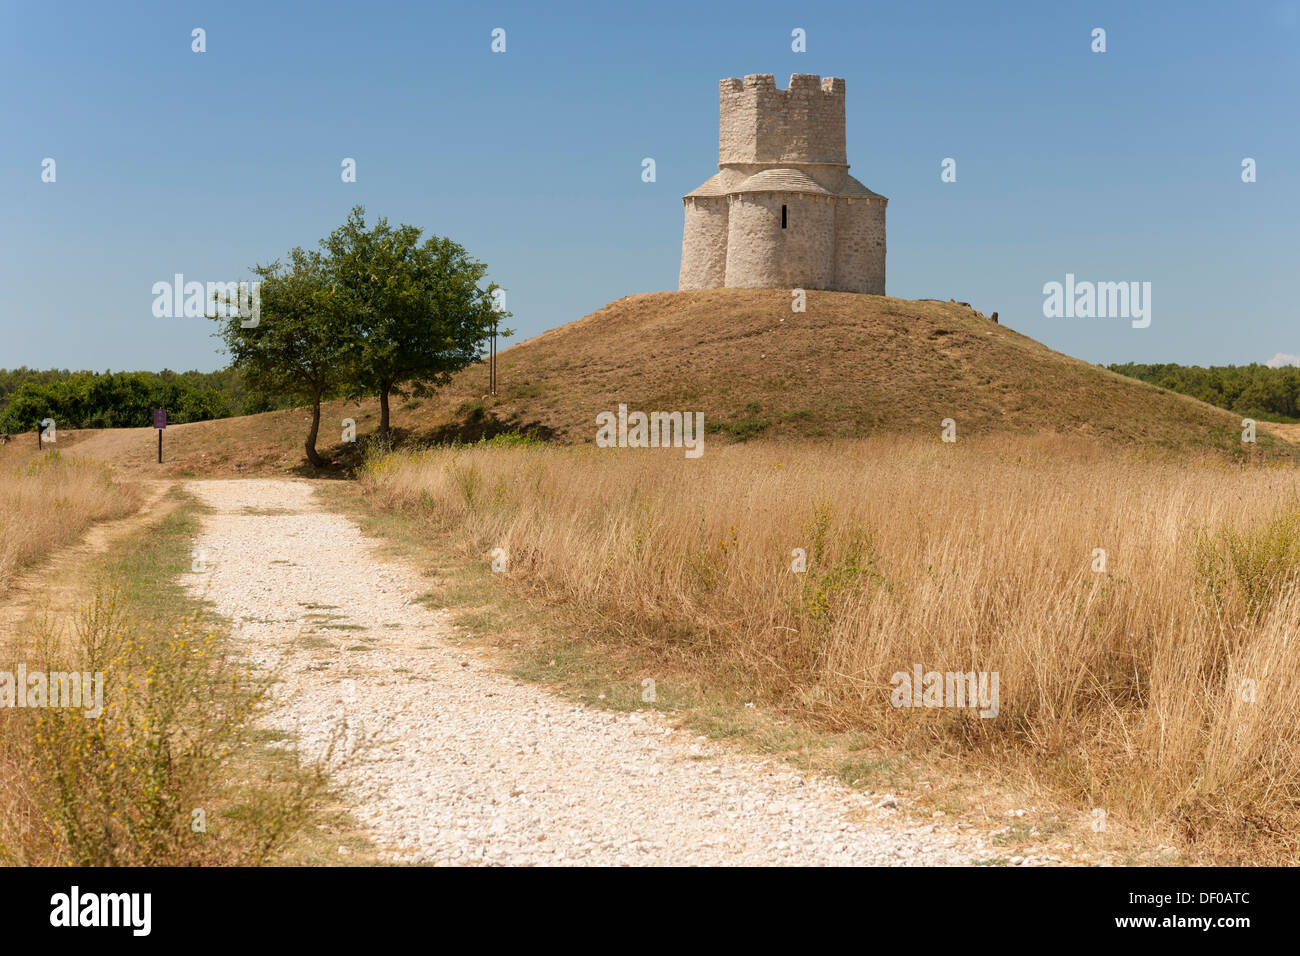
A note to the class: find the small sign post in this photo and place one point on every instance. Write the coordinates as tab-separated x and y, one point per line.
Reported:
159	423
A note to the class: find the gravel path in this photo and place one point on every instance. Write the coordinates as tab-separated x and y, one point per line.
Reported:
474	767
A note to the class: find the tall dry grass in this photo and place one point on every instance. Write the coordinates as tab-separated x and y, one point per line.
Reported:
1164	689
50	503
162	772
174	770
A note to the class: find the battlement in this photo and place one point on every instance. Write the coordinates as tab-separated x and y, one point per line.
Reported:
759	123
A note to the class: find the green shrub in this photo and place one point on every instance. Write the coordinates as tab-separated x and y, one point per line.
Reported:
1255	565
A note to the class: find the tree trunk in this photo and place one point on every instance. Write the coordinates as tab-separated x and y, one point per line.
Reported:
316	460
384	389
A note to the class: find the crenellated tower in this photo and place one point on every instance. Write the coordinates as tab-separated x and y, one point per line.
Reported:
760	124
783	211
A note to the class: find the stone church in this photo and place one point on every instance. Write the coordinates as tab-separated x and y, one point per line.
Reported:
783	211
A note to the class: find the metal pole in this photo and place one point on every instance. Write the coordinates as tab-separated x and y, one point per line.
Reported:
160	446
492	368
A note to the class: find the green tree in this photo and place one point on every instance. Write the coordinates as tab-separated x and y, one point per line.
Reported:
1254	390
420	311
303	345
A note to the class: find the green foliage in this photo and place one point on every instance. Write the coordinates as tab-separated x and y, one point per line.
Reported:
511	440
373	310
304	345
417	307
743	427
1252	391
1259	563
830	578
117	399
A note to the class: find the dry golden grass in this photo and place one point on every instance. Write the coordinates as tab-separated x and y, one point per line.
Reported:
50	502
1162	690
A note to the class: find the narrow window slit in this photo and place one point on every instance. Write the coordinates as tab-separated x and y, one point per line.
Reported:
783	216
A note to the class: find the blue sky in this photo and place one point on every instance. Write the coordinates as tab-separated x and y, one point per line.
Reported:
1115	166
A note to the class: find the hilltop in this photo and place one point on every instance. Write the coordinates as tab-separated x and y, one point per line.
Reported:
849	366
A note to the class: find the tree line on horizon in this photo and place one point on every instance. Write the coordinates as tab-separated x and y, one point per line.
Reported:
371	311
1252	391
123	399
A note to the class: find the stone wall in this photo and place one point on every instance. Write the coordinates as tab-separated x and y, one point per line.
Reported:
757	123
752	252
762	255
704	244
860	246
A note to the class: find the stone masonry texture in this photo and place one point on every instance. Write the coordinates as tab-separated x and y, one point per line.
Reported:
783	211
